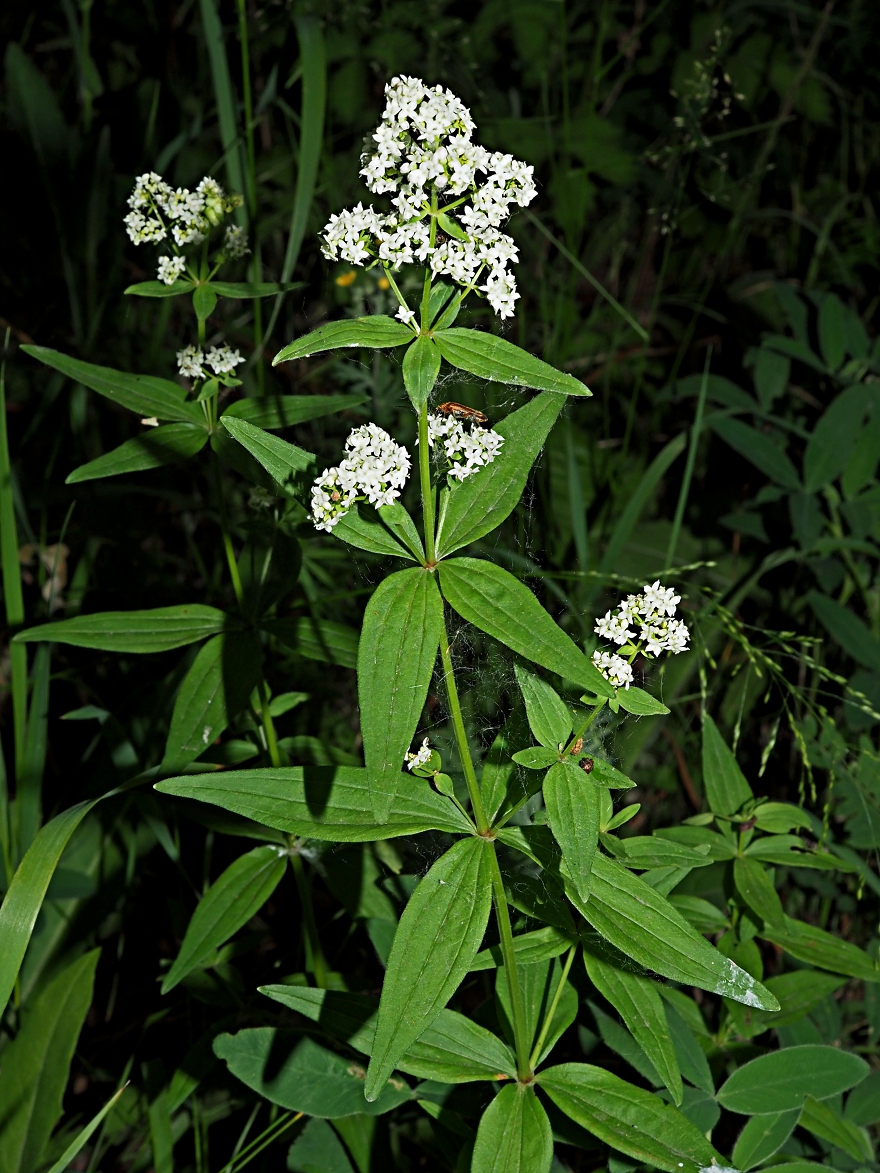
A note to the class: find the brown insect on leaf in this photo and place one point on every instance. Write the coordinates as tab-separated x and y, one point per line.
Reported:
586	765
462	413
577	747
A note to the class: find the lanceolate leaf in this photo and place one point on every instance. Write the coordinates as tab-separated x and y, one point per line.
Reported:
158	630
366	528
631	1120
144	394
756	888
153	448
636	1000
834	437
230	902
478	505
808	943
499	604
249	290
436	941
317	639
759	449
159	288
283	411
421	366
403	623
320	802
572	802
781	1080
726	787
529	948
284	462
376	331
642	924
640	703
489	357
514	1134
549	718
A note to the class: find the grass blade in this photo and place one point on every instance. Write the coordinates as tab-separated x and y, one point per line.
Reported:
689	466
224	97
84	1135
12	593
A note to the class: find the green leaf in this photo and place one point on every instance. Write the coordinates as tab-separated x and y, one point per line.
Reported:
628	1119
36	1065
144	394
387	530
403	624
863	1104
529	948
756	888
152	449
213	692
84	1135
377	331
158	630
514	1135
771	376
763	1136
537	757
726	787
549	718
640	703
649	851
799	992
780	817
421	366
283	411
435	943
720	847
248	290
159	288
605	774
643	925
690	1055
834	438
572	802
832	330
847	629
489	357
795	348
758	448
808	943
781	1080
317	639
302	1076
499	604
473	508
284	462
828	1125
204	301
318	1149
320	802
636	1000
237	895
452	1050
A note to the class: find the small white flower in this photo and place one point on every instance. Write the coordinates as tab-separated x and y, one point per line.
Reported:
420	757
222	360
375	468
658	600
614	627
189	363
405	314
235	242
465	451
150	422
170	269
647	620
614	668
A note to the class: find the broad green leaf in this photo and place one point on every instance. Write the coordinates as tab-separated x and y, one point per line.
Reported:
489	357
781	1080
808	943
771	376
320	802
643	925
720	847
636	1000
536	757
478	505
284	462
799	992
499	780
401	524
832	330
36	1065
499	604
514	1135
834	437
780	817
726	787
529	948
144	394
631	1120
795	348
153	448
204	301
452	1050
549	718
758	448
847	629
605	774
690	1055
572	802
317	639
863	1103
756	888
299	1074
248	290
318	1149
640	703
702	914
159	288
283	411
421	366
434	946
237	895
403	624
616	1036
158	630
823	1121
377	331
763	1136
649	851
84	1135
387	530
214	690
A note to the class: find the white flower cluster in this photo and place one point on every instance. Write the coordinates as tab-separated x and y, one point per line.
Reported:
235	242
220	360
647	624
420	758
466	451
374	468
158	210
423	141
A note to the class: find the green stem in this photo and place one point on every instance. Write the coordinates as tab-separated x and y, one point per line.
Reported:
428	510
551	1009
470	774
578	733
505	932
689	466
268	725
315	954
426	286
227	540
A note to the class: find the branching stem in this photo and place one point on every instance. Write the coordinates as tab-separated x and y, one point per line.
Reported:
520	1035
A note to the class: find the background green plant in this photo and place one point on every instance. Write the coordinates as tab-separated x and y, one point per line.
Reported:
733	219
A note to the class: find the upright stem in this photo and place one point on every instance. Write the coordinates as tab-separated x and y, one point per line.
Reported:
520	1035
268	724
470	774
256	266
426	287
551	1009
315	954
227	540
427	488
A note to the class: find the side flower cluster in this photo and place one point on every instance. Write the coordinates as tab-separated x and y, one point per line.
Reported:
424	147
465	450
643	623
375	469
420	758
159	212
194	363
